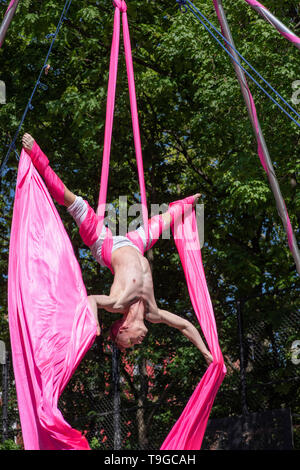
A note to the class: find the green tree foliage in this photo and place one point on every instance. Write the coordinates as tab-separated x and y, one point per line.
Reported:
196	137
9	445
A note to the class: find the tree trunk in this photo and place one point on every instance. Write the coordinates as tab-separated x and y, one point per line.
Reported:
140	415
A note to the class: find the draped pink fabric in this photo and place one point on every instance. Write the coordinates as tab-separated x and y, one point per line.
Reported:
290	36
51	324
120	6
188	431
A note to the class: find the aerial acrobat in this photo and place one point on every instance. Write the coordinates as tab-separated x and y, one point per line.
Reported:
131	293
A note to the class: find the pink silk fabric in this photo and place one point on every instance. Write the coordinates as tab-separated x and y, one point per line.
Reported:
291	37
259	141
188	431
51	323
120	6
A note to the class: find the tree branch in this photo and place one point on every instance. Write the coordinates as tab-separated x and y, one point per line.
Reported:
159	402
135	59
130	382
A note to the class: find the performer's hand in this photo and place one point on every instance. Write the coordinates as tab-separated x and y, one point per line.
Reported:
209	359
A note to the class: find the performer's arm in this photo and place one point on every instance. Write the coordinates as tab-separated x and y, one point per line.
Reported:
107	303
186	328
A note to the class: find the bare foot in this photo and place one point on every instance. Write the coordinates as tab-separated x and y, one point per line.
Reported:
27	142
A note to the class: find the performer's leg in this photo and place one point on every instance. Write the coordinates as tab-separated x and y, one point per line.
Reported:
81	211
85	218
92	231
69	197
162	222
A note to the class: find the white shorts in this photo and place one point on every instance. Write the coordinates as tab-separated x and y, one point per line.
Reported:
78	211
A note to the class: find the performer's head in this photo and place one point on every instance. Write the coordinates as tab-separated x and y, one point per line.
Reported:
126	333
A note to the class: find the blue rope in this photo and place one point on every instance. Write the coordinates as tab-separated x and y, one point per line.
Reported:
38	83
184	4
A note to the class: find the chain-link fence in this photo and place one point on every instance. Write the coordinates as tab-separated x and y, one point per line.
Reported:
265	382
267	430
10	425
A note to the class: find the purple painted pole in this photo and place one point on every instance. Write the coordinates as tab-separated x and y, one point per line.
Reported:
275	22
7	19
262	146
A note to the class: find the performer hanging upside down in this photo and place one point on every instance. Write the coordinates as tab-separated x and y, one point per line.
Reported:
131	293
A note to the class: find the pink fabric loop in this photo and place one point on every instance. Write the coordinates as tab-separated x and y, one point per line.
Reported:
7	19
188	431
106	250
256	124
254	3
113	70
291	37
121	5
252	104
88	229
289	229
50	320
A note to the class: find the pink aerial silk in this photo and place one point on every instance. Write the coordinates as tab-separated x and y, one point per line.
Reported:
54	184
51	323
258	137
188	431
290	36
120	5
